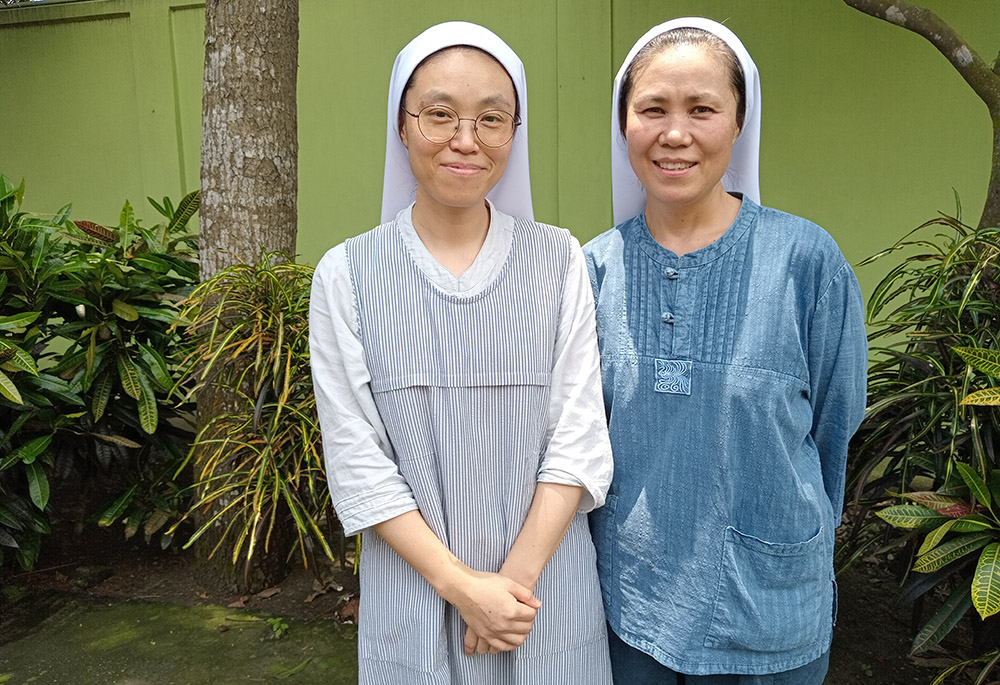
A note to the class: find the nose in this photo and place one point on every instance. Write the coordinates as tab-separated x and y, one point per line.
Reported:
675	134
465	139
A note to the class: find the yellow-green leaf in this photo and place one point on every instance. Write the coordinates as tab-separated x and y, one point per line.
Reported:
101	390
988	397
9	390
950	551
935	536
129	376
117	440
911	516
931	499
123	310
987	361
117	508
986	581
975	482
148	413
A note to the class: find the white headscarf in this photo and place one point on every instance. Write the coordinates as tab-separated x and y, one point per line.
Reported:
628	195
512	195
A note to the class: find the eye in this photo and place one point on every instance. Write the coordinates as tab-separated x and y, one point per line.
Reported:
653	112
702	109
438	115
494	119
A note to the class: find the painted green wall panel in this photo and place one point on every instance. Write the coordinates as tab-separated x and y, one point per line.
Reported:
68	98
187	54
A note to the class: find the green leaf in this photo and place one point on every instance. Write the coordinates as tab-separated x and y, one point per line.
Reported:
987	361
976	484
118	507
990	397
185	210
38	484
936	536
148	412
9	390
911	516
123	310
22	320
100	393
7	540
950	551
972	524
943	620
117	440
22	360
157	366
29	451
986	581
129	376
127	217
933	500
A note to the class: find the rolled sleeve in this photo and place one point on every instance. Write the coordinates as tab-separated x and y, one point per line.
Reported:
578	448
365	484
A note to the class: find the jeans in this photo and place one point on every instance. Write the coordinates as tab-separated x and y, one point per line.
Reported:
631	666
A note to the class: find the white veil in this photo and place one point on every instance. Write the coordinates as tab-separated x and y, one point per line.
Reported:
628	195
512	195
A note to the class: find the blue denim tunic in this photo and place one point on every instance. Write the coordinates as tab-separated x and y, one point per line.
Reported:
734	377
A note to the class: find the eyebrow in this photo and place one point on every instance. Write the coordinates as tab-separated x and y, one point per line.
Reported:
443	96
656	98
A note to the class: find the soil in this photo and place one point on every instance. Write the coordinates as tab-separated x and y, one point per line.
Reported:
871	640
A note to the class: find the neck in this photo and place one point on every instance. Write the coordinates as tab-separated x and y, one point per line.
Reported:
683	228
453	235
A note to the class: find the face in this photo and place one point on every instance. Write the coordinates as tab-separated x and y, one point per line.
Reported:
681	126
459	173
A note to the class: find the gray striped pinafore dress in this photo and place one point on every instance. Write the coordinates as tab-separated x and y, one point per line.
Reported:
462	386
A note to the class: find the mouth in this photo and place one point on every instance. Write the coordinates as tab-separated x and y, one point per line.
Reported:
463	169
674	166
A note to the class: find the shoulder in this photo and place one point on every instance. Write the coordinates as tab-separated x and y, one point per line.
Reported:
336	261
608	246
795	233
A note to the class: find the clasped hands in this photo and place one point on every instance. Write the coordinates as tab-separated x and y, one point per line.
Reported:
498	611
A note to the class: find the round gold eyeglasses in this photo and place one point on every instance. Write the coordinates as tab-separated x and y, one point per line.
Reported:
440	123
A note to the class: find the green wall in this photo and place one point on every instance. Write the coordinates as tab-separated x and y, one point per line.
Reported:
866	128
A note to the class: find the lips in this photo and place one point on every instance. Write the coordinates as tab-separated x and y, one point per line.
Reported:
463	169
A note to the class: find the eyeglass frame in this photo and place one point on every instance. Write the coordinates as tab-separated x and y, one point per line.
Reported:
475	125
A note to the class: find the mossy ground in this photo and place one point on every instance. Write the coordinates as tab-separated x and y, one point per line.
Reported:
86	642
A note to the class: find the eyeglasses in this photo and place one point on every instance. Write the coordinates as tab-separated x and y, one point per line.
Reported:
440	123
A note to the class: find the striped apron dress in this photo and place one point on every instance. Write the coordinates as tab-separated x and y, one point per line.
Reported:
462	386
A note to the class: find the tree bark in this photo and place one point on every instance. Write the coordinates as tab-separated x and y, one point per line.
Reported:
985	81
249	182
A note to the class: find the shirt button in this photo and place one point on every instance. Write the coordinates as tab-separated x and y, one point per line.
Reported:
671	273
667	317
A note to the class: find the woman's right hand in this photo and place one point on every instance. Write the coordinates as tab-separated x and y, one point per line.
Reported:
498	611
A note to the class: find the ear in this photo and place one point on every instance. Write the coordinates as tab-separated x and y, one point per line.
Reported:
402	137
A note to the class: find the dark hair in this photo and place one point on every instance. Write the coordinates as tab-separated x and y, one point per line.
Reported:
400	114
684	36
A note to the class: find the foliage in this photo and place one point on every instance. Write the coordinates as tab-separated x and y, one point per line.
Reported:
85	313
258	465
928	439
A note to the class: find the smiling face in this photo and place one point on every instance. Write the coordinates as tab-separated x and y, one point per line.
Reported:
680	126
459	173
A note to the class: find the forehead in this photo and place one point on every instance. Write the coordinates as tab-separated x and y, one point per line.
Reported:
684	65
463	73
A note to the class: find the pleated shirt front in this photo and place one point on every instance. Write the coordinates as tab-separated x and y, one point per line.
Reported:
461	382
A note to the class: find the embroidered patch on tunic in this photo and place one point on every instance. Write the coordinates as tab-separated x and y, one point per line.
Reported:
673	376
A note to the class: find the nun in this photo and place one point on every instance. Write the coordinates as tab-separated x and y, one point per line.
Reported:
734	358
457	381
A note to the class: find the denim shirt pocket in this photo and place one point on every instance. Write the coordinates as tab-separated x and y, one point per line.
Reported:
772	597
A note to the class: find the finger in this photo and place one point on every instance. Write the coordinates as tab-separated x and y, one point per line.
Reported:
482	647
525	596
471	640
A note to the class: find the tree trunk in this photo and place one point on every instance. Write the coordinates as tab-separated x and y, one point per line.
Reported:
983	79
249	181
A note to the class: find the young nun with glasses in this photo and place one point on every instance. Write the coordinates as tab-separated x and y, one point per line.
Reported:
734	358
458	385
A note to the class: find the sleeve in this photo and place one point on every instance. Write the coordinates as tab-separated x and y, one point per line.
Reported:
838	368
365	484
578	449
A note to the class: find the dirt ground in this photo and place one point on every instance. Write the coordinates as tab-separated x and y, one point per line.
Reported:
871	640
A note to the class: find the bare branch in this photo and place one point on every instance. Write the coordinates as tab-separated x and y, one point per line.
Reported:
984	81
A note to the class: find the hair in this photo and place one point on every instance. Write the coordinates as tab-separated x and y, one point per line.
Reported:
401	114
684	36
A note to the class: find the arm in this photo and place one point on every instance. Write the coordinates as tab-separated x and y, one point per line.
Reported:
838	367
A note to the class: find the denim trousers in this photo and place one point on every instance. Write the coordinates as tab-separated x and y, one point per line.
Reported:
631	666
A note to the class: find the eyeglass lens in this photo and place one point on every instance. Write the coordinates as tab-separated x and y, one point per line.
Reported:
439	124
